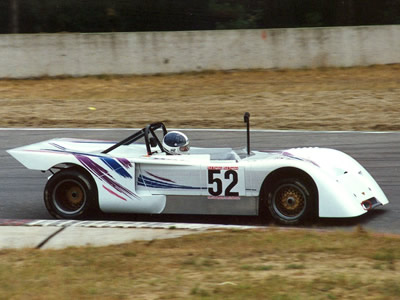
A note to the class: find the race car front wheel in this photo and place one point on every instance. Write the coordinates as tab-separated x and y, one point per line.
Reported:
291	201
70	194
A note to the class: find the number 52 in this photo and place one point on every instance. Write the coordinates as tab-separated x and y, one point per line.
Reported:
219	181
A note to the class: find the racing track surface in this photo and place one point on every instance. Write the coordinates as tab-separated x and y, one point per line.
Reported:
21	189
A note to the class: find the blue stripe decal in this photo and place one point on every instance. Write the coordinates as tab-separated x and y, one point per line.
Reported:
148	182
115	166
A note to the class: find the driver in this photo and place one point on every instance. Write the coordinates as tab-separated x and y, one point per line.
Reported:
176	142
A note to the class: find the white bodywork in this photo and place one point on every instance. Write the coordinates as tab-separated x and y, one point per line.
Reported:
208	180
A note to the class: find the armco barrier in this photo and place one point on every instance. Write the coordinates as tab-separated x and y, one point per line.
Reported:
81	54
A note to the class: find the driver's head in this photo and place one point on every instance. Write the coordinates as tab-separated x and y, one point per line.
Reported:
176	142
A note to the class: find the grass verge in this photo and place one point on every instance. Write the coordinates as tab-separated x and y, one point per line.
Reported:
254	264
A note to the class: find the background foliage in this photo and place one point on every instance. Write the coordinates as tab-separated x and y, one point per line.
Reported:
32	16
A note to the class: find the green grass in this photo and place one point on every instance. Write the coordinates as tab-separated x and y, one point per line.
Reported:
255	264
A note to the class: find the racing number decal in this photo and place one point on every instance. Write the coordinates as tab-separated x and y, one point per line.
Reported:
229	175
228	191
218	181
223	182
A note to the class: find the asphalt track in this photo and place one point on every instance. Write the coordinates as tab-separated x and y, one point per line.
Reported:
21	189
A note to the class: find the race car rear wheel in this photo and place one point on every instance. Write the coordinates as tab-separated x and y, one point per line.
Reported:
291	201
70	194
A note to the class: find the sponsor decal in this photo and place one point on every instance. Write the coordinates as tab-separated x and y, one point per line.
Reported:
222	168
223	197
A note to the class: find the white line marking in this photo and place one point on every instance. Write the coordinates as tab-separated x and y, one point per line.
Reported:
128	224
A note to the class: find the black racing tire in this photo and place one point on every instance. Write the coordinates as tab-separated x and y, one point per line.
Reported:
292	201
71	194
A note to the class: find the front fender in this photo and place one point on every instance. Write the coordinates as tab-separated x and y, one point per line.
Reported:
342	183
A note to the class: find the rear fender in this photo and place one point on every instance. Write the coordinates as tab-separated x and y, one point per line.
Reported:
114	178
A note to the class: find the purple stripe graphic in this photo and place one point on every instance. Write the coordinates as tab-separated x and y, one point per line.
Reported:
159	177
126	163
104	175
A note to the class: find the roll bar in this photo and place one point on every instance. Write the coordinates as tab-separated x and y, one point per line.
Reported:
149	129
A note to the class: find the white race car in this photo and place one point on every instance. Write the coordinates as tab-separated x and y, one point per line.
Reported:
291	186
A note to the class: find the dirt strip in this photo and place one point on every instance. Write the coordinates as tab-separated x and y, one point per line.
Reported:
366	98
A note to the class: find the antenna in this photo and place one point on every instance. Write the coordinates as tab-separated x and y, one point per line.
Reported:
246	118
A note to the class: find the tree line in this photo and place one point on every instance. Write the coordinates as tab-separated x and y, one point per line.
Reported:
35	16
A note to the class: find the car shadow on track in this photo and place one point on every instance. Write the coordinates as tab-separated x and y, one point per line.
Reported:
322	223
202	219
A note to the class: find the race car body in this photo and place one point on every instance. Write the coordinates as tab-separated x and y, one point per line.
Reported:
290	185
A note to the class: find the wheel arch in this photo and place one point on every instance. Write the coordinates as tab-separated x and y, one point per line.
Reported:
78	168
71	166
286	172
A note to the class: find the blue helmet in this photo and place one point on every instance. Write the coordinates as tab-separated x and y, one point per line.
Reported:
176	142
